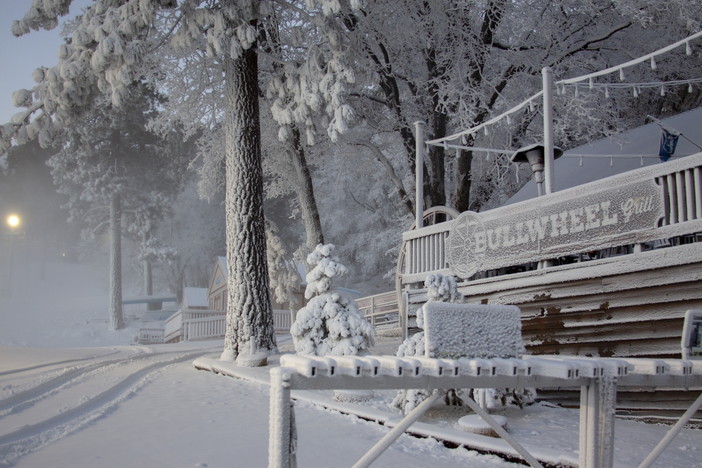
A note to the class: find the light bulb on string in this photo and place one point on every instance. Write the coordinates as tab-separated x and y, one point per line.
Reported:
592	85
509	120
653	63
531	106
486	131
688	49
662	91
689	88
621	74
606	92
636	92
581	161
445	145
611	162
642	161
464	140
576	91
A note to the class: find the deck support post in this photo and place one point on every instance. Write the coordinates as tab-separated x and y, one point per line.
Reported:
597	410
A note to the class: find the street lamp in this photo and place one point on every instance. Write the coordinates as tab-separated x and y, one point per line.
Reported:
13	221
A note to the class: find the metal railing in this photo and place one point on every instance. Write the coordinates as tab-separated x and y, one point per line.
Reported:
596	377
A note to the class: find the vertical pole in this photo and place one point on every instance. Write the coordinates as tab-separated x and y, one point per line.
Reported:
419	150
548	128
280	437
582	456
9	276
608	407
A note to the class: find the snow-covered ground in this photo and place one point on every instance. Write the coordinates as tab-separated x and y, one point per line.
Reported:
72	393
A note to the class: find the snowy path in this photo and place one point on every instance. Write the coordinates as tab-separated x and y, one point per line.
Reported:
155	409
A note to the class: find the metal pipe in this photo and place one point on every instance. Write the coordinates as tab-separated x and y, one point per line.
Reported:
419	169
672	433
396	431
548	129
502	433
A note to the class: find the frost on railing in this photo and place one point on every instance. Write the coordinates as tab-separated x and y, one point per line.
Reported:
380	310
645	205
597	379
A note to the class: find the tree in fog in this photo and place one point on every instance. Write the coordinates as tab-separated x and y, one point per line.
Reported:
114	170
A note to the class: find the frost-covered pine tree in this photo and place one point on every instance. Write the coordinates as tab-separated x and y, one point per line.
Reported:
285	279
114	40
330	323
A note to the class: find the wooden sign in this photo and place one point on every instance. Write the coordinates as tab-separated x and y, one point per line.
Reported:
560	225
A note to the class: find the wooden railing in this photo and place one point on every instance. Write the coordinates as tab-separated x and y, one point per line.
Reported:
642	206
174	328
151	335
204	328
380	310
281	320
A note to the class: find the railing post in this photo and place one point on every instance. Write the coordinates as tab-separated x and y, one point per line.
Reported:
597	412
419	164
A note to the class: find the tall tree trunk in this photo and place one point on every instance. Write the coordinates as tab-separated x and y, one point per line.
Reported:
148	276
305	194
116	319
464	175
249	313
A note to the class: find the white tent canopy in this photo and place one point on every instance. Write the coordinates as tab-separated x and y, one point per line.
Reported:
622	153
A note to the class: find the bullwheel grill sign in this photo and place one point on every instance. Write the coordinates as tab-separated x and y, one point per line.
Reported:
552	225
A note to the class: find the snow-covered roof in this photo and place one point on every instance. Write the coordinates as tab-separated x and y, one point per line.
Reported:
223	263
195	297
625	150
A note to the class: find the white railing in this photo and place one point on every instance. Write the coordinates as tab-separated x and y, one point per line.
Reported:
204	328
173	330
597	379
151	335
608	213
281	321
380	310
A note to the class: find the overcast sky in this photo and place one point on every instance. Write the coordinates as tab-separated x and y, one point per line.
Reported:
19	56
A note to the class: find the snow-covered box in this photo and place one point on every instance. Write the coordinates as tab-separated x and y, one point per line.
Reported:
472	330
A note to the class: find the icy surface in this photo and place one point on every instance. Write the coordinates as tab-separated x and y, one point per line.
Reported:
472	330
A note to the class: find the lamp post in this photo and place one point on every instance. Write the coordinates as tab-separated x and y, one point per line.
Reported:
13	221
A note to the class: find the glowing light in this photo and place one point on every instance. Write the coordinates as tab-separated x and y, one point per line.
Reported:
13	220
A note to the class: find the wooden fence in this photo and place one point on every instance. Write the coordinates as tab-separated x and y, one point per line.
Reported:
381	311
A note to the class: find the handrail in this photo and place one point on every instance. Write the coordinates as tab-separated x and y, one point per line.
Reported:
644	205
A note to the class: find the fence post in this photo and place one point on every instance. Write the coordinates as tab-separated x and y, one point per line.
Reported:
281	438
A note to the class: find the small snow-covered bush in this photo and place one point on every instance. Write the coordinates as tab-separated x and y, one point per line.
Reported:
330	324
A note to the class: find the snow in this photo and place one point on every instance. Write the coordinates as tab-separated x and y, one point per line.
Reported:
472	330
195	297
84	397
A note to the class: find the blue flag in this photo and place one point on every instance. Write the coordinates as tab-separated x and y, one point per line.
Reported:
669	140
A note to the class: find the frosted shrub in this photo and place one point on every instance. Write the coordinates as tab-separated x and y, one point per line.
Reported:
440	288
330	324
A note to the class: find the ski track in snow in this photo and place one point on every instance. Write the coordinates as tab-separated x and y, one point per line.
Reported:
31	437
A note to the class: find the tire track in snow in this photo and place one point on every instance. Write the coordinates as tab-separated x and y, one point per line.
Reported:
31	437
27	398
39	366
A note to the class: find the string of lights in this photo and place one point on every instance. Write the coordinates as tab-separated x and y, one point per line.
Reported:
583	82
